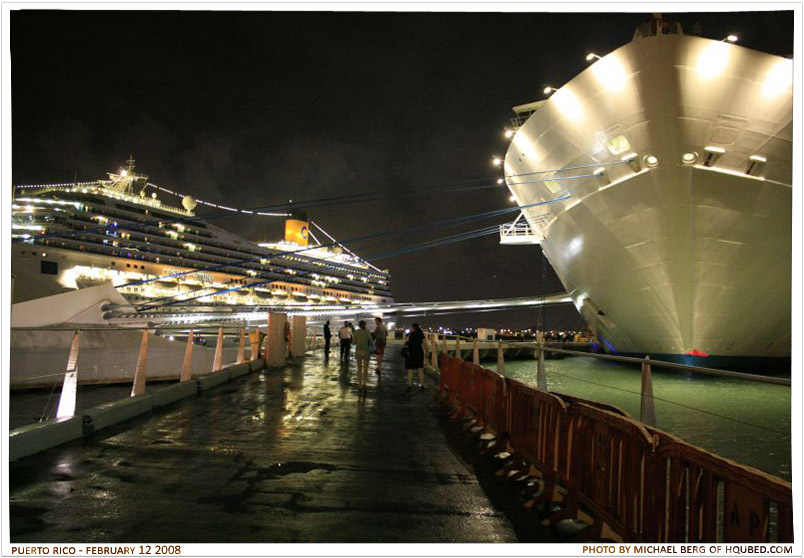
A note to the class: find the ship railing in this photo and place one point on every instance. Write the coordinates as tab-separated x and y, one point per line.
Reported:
519	232
642	483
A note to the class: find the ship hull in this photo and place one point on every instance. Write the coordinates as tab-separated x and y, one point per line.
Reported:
689	261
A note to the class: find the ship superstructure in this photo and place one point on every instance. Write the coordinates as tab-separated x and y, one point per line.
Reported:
674	240
69	236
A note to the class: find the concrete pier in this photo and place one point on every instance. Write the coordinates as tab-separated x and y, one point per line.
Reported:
284	455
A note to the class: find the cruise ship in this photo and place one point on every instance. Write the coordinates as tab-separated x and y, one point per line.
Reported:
674	236
71	236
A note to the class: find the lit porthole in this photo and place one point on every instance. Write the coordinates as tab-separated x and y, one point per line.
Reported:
651	160
689	158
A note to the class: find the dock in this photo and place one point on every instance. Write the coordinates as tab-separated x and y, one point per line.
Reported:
289	454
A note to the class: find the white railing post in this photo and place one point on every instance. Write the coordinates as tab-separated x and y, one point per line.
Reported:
138	387
217	362
647	411
475	353
458	348
187	366
254	337
541	376
444	345
500	359
434	351
241	348
69	387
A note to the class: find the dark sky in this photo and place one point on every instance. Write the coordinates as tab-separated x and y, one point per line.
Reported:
255	108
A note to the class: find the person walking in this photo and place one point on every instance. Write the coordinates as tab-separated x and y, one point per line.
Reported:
414	361
327	337
380	338
362	339
345	336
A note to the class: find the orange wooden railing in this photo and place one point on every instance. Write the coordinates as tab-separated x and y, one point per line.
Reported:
630	481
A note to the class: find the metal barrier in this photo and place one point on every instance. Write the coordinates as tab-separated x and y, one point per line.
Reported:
629	481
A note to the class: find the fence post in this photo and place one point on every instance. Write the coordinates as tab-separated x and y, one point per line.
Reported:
475	353
187	367
434	351
138	388
541	376
458	348
444	345
241	348
275	339
500	359
298	331
67	399
217	362
647	411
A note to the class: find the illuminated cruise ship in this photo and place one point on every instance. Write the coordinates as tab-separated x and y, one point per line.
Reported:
71	236
674	239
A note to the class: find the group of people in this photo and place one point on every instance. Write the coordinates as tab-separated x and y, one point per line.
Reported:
373	342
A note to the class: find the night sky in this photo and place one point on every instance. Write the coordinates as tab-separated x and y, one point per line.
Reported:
255	108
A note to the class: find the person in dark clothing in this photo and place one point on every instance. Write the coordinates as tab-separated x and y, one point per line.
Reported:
327	337
415	356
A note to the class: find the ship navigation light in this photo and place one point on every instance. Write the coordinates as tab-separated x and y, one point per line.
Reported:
602	176
755	165
713	153
632	160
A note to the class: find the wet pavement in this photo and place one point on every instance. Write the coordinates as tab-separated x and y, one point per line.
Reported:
293	455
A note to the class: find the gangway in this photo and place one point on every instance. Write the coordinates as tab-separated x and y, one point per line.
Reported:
519	232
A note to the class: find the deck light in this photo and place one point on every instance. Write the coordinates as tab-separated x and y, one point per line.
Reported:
548	90
509	133
632	160
713	153
512	198
496	161
730	38
591	56
500	181
651	160
689	158
755	165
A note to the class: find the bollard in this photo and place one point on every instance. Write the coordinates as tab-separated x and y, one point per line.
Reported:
541	376
217	362
500	359
647	411
67	399
475	353
275	339
254	337
298	330
138	387
187	367
241	348
458	348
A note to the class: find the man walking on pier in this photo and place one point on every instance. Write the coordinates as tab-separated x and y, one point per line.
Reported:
380	337
327	337
362	338
345	335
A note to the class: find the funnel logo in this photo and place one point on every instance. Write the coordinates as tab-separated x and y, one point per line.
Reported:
297	231
304	232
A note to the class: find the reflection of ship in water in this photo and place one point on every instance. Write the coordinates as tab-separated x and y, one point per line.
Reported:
677	243
72	236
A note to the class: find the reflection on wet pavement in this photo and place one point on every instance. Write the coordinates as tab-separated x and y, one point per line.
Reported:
291	455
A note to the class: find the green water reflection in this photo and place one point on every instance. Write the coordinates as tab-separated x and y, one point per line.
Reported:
748	422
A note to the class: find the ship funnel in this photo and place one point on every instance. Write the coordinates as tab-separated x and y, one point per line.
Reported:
297	228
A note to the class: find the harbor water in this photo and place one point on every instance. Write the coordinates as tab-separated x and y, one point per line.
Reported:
748	422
